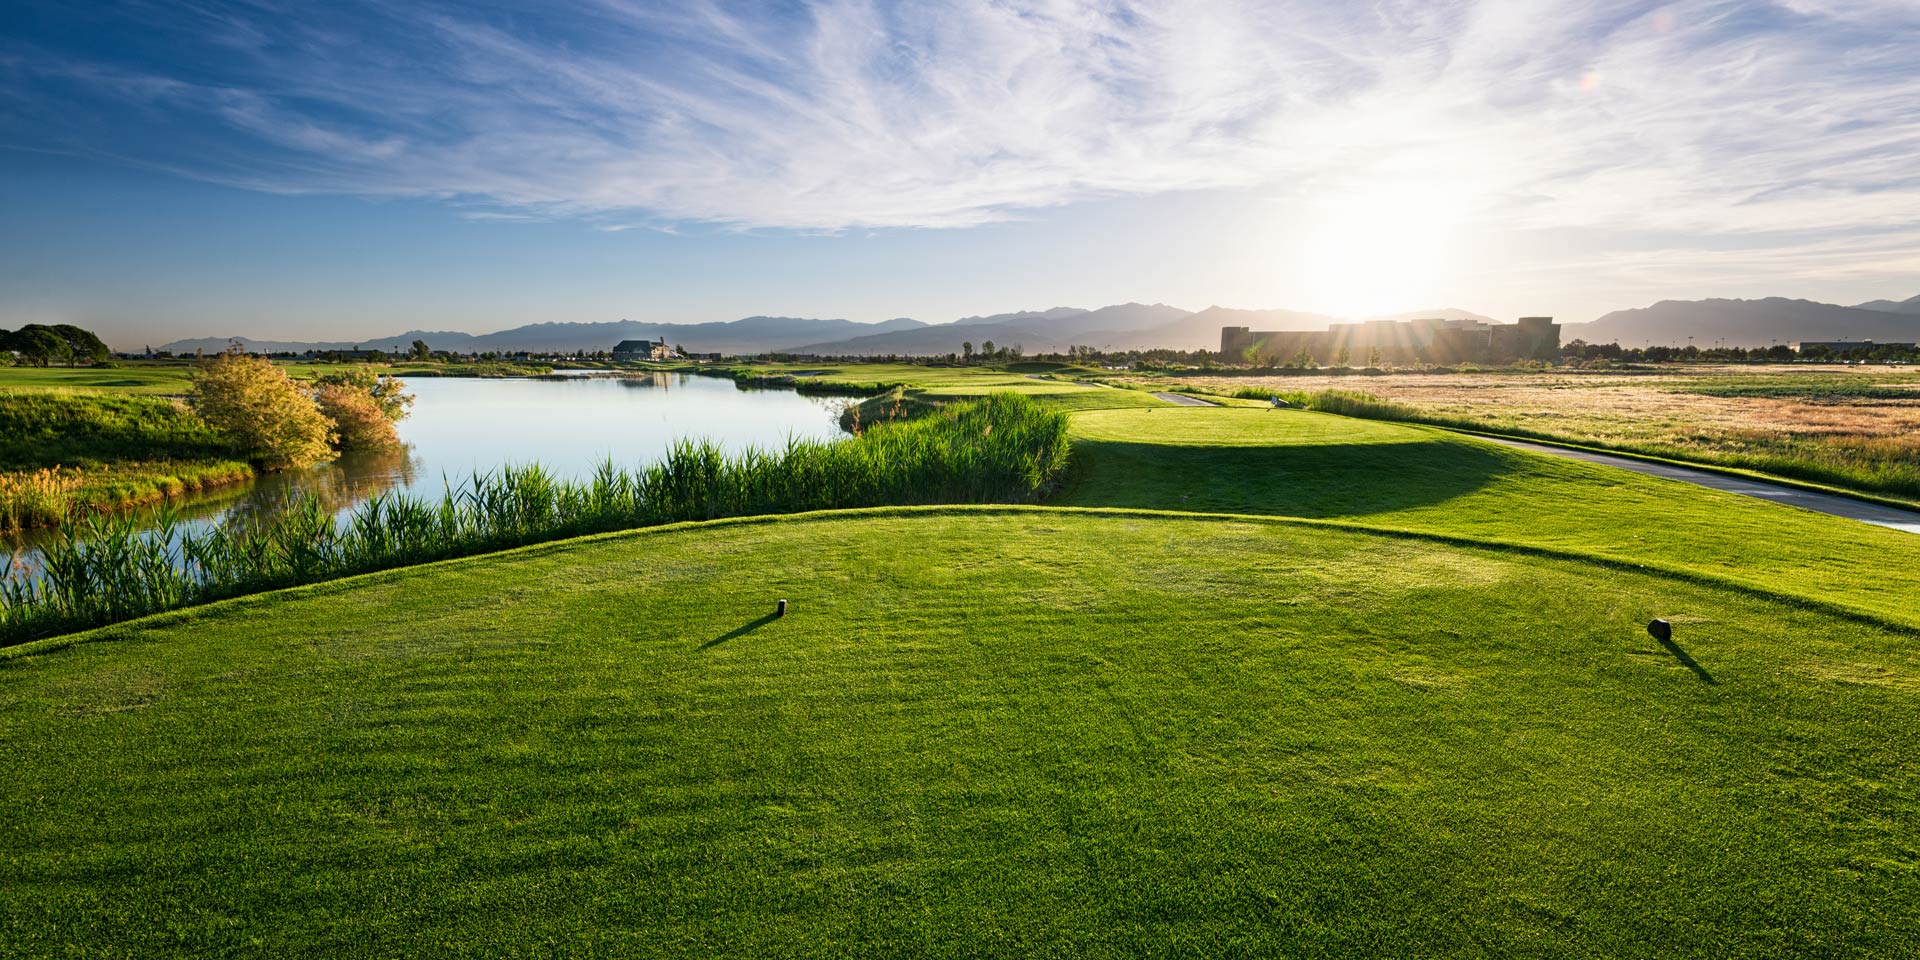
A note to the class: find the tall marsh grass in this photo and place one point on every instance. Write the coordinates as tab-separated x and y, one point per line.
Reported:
104	569
31	498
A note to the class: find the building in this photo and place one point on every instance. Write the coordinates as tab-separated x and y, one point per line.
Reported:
1850	346
642	350
1399	341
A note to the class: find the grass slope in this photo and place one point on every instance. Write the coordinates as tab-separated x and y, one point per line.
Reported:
993	731
1405	477
979	732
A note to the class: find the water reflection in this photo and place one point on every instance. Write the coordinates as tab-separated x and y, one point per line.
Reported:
339	486
566	424
649	381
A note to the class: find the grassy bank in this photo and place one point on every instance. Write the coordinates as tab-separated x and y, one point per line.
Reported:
482	370
65	453
977	732
1052	385
1002	448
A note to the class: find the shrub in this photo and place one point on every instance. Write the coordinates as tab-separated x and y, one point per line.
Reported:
358	421
265	414
388	393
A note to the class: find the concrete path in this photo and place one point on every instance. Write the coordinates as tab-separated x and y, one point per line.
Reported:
1828	503
1185	400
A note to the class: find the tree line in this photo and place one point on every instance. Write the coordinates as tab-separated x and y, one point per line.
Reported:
42	345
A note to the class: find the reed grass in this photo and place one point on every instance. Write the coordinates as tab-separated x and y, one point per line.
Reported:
103	569
36	497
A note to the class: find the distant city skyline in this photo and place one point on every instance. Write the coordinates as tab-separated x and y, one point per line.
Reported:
172	170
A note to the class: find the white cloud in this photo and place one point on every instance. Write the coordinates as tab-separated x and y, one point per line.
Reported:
1704	117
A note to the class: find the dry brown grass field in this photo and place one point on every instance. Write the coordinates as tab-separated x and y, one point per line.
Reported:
1857	427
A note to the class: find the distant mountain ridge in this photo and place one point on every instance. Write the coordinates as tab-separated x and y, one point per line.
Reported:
746	335
1744	323
1909	305
1123	326
1138	326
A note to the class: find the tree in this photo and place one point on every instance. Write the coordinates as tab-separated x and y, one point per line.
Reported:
1373	358
84	344
987	349
1342	357
39	345
966	349
1303	360
421	351
261	410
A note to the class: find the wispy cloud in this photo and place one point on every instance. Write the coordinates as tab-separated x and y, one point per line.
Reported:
1704	117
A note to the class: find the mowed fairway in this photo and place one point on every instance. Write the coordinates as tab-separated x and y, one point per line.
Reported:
1402	477
1009	731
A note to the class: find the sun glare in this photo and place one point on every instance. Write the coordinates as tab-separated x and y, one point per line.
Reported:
1380	247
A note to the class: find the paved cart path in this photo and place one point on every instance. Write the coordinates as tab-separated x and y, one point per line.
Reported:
1184	400
1893	517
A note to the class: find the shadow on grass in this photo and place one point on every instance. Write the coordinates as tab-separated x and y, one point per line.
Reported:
1687	661
740	631
1332	480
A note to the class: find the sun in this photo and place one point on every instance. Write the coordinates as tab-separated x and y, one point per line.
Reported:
1379	246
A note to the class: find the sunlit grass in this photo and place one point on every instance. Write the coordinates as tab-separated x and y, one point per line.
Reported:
977	731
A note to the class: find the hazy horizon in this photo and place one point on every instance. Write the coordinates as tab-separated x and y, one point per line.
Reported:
171	171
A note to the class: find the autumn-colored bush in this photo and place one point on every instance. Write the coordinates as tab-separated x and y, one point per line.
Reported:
359	423
388	392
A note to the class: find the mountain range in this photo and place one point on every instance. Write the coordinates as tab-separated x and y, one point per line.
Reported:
1751	323
1909	305
1132	326
747	335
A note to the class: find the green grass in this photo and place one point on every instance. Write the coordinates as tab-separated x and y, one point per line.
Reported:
133	376
82	430
1395	699
1405	477
1826	388
171	377
979	732
1050	384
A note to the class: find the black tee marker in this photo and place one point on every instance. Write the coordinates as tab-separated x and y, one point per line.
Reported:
1661	630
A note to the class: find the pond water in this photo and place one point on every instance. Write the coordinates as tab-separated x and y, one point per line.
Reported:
569	424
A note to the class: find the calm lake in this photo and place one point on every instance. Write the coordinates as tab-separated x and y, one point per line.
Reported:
568	425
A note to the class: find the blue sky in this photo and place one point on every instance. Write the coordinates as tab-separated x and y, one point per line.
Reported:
339	170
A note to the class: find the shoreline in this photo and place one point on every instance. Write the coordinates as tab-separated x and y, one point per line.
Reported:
206	477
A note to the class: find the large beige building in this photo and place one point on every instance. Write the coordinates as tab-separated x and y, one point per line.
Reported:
1400	341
